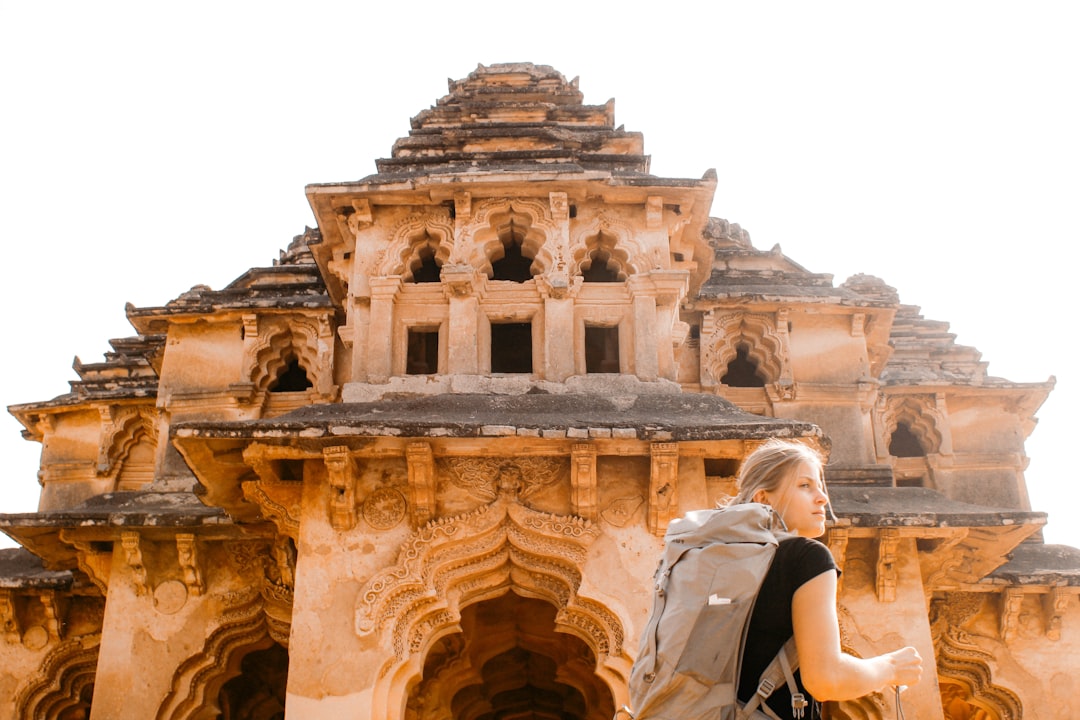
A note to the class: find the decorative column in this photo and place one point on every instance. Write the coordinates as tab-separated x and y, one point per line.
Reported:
643	297
463	288
381	328
671	286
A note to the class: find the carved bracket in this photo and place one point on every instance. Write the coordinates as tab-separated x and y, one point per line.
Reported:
55	606
129	539
886	582
1055	603
97	564
421	464
190	563
663	486
838	544
583	489
9	617
1012	600
342	472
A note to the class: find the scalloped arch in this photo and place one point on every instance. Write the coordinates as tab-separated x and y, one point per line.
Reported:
482	240
455	562
432	229
196	683
281	342
765	347
612	234
921	418
57	686
124	432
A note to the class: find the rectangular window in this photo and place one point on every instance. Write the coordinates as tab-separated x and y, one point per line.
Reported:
511	348
422	355
601	349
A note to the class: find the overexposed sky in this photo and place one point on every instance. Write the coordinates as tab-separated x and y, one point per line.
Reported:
146	148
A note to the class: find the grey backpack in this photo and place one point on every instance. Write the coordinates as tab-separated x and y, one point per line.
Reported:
690	656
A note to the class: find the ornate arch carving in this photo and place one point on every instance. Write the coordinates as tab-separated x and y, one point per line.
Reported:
198	680
454	562
920	414
617	237
58	684
765	339
410	235
962	662
122	430
481	240
309	339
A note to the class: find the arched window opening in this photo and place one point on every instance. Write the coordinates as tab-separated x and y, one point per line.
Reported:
511	348
601	269
601	349
742	371
524	667
137	467
904	443
292	378
513	265
422	352
81	710
428	270
258	692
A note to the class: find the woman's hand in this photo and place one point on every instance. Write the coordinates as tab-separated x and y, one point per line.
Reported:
906	666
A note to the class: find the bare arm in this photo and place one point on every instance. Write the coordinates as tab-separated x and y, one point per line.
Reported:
827	672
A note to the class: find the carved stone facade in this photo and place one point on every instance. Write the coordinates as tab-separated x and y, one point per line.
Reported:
421	468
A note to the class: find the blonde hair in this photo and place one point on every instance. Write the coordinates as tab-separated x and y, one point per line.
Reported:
768	467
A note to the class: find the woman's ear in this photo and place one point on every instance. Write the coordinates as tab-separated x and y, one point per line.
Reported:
761	497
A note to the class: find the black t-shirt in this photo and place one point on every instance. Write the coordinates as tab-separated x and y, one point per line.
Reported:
797	561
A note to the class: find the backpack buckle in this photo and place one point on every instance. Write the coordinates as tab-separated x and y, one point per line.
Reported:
765	688
798	705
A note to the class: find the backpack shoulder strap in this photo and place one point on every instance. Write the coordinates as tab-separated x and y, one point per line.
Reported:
780	670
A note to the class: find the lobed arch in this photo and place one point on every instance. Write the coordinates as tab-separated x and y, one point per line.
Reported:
281	341
483	239
452	563
123	429
62	682
198	680
767	348
964	667
920	415
433	230
606	233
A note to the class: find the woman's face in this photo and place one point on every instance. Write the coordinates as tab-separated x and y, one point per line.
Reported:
800	500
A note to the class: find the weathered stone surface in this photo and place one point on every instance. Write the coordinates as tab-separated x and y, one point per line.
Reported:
421	466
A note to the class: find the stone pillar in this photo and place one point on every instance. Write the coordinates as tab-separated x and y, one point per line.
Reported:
359	322
156	618
643	297
381	328
671	286
462	288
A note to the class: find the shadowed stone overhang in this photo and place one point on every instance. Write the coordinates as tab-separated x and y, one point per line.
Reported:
914	507
21	569
959	544
662	417
1037	564
52	535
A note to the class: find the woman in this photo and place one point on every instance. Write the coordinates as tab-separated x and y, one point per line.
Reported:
798	595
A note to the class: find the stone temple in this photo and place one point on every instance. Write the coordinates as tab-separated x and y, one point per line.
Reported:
421	467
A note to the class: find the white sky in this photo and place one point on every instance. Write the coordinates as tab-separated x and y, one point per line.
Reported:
149	147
